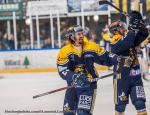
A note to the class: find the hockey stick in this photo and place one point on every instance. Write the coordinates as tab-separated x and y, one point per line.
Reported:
53	91
101	2
112	5
146	79
68	87
102	77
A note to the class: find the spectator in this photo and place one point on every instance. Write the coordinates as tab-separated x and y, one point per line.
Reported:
5	42
11	42
106	37
47	43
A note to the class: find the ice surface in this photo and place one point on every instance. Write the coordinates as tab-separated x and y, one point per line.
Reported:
17	90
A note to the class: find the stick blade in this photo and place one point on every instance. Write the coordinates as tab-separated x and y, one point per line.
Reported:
101	2
36	96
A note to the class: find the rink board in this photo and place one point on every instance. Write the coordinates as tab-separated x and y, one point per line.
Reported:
31	61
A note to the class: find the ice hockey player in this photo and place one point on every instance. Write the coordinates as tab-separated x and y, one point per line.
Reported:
129	83
80	100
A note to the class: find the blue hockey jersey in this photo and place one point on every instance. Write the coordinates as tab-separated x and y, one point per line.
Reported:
125	45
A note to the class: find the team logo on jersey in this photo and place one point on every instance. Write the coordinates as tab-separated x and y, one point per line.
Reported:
67	108
85	101
140	92
123	97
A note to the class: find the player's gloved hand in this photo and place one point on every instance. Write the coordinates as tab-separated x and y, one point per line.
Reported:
135	19
124	62
80	80
128	62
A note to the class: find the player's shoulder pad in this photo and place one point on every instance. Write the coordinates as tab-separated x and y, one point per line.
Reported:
94	47
62	56
115	39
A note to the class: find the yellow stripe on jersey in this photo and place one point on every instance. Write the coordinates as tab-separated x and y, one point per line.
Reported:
115	39
93	102
118	76
145	41
115	91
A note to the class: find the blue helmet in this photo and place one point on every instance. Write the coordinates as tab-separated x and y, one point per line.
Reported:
117	26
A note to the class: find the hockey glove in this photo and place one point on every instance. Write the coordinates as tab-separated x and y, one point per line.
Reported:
134	21
80	80
124	62
128	62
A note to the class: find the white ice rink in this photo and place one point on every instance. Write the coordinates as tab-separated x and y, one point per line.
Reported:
16	91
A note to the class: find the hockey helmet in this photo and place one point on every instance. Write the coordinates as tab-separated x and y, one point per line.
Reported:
70	34
117	26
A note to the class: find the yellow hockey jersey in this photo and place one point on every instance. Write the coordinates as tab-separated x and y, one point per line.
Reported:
71	61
